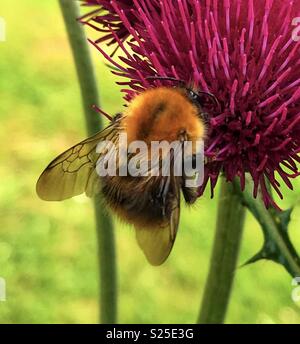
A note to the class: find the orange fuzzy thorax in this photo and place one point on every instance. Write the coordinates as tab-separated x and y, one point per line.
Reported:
161	114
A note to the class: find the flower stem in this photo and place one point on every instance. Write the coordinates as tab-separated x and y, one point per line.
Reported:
90	96
270	223
229	229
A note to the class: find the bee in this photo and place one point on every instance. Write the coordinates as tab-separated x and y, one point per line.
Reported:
150	204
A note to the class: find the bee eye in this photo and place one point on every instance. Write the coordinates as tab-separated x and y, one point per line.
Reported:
193	96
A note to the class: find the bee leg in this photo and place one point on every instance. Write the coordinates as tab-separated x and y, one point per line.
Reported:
161	196
190	194
183	135
205	116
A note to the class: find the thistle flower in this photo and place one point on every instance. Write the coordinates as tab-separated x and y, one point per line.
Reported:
242	51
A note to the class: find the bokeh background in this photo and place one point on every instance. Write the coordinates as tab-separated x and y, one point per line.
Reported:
48	250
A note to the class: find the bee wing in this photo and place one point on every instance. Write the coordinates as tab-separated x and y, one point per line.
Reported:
157	243
74	171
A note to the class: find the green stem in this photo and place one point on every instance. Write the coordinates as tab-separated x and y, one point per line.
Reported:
90	96
269	221
229	229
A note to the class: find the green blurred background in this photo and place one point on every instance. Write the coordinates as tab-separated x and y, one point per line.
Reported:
48	250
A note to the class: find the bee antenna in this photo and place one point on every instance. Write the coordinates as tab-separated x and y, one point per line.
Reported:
169	78
96	108
212	96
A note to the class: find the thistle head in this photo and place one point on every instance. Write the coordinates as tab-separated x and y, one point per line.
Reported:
244	52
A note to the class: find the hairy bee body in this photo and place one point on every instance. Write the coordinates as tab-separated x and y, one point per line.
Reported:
135	204
163	114
150	204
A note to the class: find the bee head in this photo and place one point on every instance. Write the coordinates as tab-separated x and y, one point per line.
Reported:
198	98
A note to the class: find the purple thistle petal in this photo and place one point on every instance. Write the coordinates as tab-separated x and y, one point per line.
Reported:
241	51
